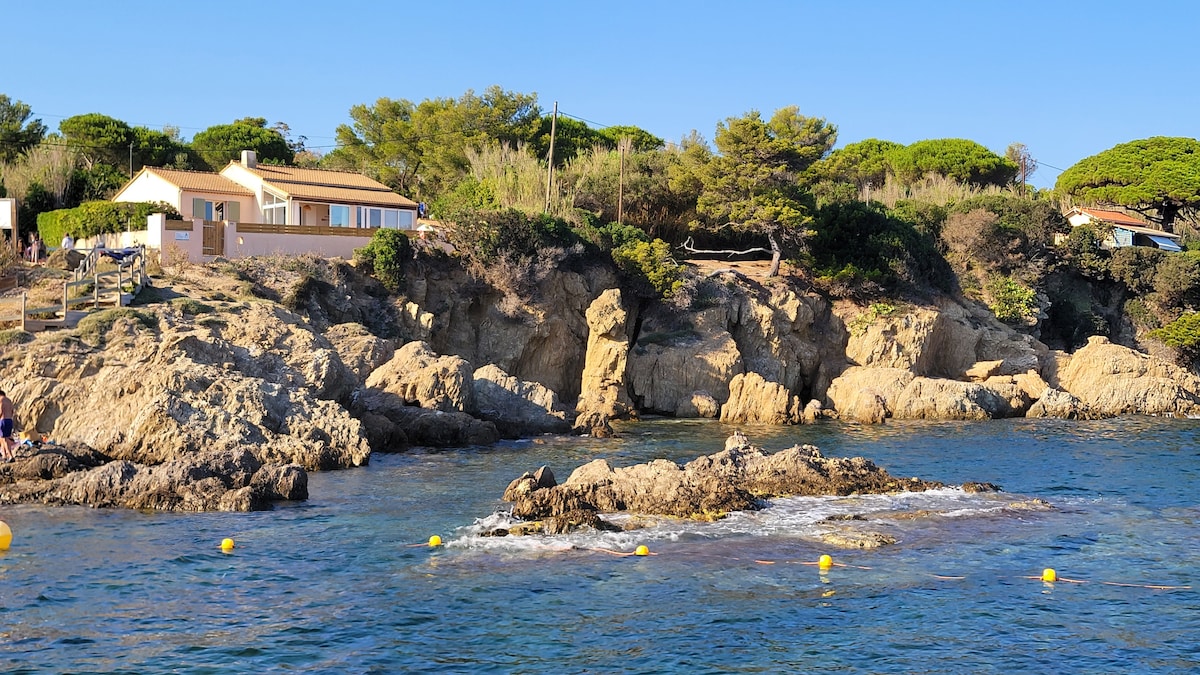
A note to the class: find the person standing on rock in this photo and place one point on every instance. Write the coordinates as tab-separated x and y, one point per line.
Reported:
6	425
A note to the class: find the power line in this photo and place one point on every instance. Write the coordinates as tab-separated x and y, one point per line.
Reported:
595	124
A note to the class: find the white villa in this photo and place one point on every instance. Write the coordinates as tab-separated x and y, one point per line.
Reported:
257	209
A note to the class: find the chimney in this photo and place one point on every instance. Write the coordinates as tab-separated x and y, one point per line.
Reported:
249	159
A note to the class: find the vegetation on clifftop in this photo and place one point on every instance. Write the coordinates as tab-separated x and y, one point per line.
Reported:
870	221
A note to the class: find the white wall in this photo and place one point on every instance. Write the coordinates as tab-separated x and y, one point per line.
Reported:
148	187
240	245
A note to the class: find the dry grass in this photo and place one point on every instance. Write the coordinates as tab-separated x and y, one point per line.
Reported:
51	166
519	179
932	189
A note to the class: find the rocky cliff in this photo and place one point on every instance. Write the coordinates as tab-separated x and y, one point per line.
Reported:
266	364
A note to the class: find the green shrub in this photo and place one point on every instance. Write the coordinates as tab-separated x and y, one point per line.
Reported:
1183	334
1084	252
859	324
96	325
1141	315
856	241
1135	266
1177	280
616	235
191	306
92	218
14	336
1011	302
650	262
385	257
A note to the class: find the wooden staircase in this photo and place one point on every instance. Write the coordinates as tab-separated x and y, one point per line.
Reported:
87	291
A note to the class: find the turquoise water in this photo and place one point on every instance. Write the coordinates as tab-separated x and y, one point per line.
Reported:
334	585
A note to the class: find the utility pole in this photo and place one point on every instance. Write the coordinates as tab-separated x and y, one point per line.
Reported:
550	157
623	144
131	159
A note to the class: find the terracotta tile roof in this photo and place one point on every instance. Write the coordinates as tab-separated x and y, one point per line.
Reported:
320	185
1114	217
198	181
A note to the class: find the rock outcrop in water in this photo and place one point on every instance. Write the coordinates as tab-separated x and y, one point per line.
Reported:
735	479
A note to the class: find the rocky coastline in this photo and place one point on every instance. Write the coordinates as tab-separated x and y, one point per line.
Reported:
227	382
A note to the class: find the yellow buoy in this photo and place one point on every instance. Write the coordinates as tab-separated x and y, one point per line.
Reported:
227	544
5	536
435	540
1049	574
642	550
825	562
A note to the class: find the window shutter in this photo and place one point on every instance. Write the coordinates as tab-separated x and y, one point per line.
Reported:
198	207
233	211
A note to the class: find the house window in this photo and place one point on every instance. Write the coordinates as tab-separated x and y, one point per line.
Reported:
208	210
274	209
339	216
392	219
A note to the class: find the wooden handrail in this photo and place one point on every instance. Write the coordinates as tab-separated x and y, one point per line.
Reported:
133	268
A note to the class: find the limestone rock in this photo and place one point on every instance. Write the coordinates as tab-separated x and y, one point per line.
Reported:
867	394
1059	404
541	338
150	397
517	408
983	370
700	404
210	481
754	400
603	393
361	351
393	425
944	340
418	375
1014	393
813	411
667	368
939	399
1113	380
736	478
857	539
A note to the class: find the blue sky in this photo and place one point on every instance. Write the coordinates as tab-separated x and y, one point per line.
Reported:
1068	79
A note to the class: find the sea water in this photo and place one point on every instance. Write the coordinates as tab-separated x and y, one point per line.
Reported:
344	583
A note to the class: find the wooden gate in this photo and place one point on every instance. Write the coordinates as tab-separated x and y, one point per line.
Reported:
213	239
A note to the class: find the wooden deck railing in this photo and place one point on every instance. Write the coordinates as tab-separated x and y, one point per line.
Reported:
89	287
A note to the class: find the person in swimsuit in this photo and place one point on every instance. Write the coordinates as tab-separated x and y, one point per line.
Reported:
6	425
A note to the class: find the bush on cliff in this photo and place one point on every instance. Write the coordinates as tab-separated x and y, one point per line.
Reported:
855	242
1183	334
649	263
385	257
1010	301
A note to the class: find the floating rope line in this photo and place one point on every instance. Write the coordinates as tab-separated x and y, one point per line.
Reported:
639	551
826	562
1050	576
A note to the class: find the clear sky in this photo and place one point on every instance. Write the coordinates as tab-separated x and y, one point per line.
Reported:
1068	79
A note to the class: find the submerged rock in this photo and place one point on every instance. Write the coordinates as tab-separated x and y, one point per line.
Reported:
735	479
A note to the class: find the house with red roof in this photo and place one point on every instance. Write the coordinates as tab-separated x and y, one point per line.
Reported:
258	209
1127	230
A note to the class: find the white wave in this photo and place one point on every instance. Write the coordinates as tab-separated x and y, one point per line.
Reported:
790	517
